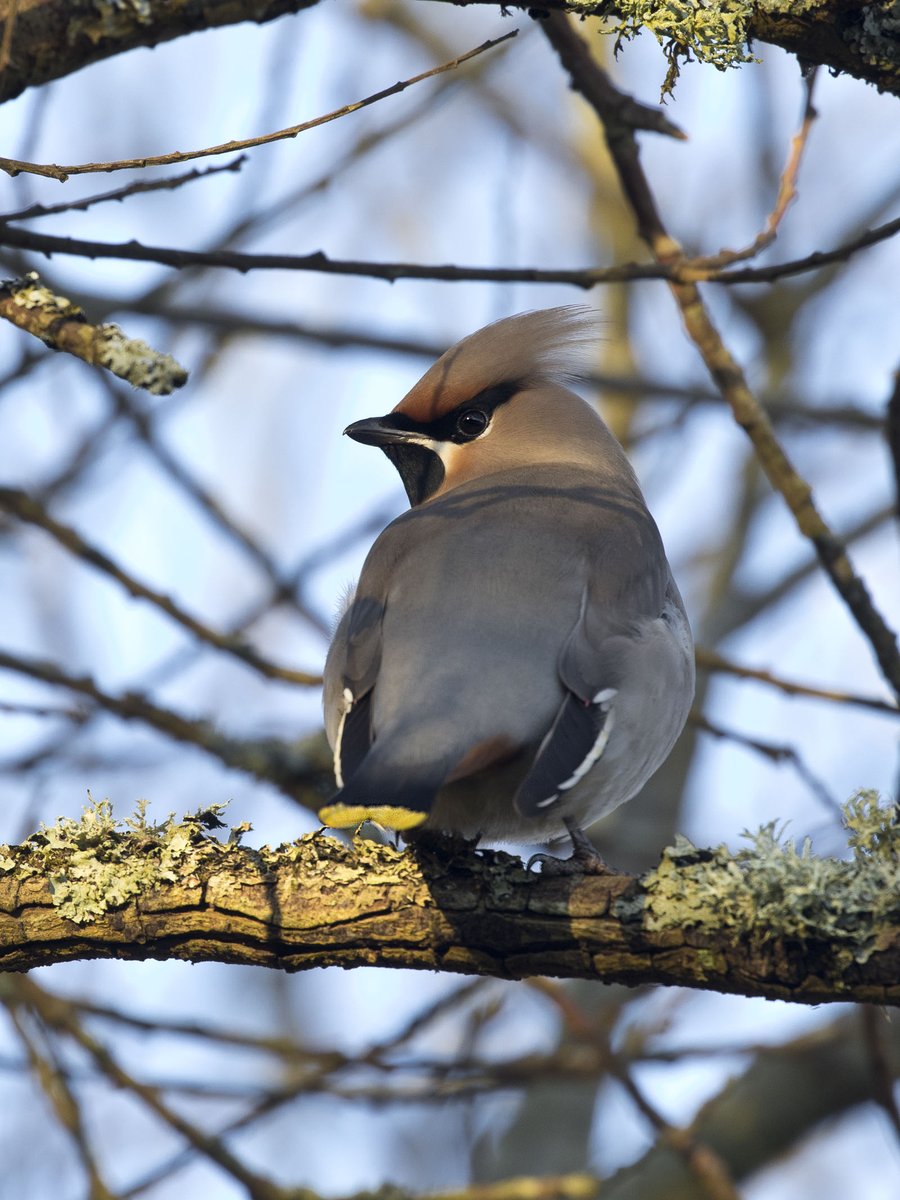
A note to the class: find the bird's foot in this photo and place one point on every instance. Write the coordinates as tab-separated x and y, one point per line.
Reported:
584	859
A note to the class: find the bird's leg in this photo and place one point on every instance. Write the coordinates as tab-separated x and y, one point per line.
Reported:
584	859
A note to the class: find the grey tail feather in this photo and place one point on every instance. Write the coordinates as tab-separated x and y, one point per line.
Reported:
371	785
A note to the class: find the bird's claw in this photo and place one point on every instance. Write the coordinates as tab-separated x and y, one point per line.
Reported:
584	859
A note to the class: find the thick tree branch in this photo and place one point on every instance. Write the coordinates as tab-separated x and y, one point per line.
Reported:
847	36
48	39
768	922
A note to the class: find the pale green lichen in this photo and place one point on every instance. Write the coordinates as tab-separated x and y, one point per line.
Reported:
94	863
772	890
105	346
710	31
136	362
97	863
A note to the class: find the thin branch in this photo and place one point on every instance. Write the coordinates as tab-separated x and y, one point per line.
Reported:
799	266
318	261
43	711
787	189
704	1164
722	366
136	188
284	587
58	1015
711	660
873	1033
680	270
892	432
15	167
231	320
55	1085
775	752
25	508
9	25
746	606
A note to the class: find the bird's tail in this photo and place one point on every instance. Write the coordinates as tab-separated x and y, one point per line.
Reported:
393	803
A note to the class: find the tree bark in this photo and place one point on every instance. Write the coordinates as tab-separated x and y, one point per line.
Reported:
703	919
53	38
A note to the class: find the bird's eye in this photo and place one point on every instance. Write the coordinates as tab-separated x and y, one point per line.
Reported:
471	422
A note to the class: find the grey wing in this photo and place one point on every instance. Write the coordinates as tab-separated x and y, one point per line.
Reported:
610	667
351	669
582	725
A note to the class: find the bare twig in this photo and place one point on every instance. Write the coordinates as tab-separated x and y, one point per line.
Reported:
892	430
58	1015
55	1085
747	605
223	320
775	752
711	660
798	266
680	270
787	189
705	1165
15	167
284	587
9	25
43	711
136	188
872	1022
134	251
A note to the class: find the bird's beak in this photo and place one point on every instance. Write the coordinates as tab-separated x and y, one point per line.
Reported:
384	431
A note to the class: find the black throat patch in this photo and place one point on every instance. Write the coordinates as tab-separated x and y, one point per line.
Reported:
420	469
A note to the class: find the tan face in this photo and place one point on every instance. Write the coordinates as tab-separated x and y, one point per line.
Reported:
493	403
499	429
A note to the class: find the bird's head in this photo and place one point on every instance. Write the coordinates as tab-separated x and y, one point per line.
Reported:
496	401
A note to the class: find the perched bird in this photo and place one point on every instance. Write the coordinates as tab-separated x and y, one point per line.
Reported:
516	660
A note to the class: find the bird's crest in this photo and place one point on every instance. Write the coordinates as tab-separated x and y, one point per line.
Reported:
547	346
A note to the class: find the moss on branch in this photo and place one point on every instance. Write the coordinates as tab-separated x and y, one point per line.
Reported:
770	921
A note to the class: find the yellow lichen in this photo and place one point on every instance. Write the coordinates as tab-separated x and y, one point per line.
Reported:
95	863
711	31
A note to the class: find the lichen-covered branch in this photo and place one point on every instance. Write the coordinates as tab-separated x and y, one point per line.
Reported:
44	40
770	921
846	36
62	325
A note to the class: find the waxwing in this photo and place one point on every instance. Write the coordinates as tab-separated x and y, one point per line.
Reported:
515	660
